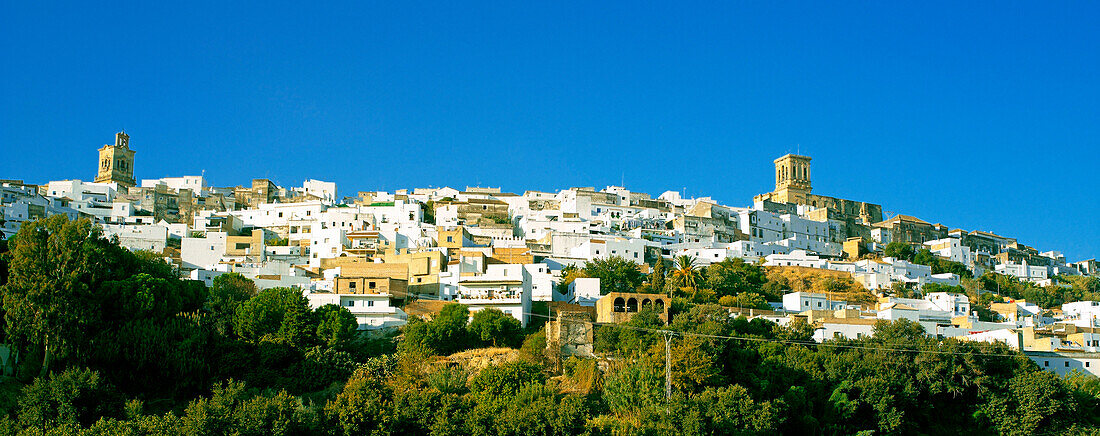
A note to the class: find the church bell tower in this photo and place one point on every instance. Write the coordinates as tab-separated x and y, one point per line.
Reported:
116	162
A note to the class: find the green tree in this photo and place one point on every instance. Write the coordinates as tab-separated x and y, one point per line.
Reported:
657	276
363	407
507	378
491	326
568	274
281	314
56	267
1036	402
616	274
899	250
752	300
227	292
446	333
734	276
685	275
76	396
232	410
336	326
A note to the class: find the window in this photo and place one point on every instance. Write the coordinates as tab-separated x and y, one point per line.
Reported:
1046	363
371	285
350	303
1067	363
370	303
351	285
450	239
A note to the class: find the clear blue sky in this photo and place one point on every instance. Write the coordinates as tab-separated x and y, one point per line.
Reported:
980	117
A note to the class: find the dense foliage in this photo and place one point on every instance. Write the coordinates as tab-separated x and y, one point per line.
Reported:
151	354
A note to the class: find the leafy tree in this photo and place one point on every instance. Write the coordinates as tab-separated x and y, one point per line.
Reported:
363	407
899	250
634	386
734	276
56	267
336	326
616	274
507	378
232	410
491	326
1035	401
752	300
568	274
280	314
227	292
74	396
446	333
731	410
657	277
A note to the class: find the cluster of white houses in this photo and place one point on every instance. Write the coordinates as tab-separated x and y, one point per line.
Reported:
482	247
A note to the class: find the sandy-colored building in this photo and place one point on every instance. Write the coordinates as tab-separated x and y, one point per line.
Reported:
619	307
116	162
371	285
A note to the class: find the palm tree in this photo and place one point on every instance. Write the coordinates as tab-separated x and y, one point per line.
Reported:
685	273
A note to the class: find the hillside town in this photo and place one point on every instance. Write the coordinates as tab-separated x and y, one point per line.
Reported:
389	256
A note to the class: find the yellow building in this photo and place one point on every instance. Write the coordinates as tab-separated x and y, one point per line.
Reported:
116	162
423	269
371	285
246	245
620	307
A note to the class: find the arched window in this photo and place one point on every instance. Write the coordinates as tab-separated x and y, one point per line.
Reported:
646	302
632	305
620	305
660	304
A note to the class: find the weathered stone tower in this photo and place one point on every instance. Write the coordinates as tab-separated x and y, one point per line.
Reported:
116	162
792	173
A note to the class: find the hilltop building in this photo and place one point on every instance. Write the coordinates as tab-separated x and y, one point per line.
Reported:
116	162
793	185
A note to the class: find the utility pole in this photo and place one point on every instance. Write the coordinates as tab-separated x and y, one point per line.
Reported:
668	365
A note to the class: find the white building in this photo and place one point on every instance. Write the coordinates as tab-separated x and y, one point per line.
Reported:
1088	311
1023	271
371	311
796	258
506	287
325	191
1065	362
584	291
951	249
802	301
138	237
203	252
82	191
197	184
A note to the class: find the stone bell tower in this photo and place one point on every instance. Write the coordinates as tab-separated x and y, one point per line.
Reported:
792	177
116	162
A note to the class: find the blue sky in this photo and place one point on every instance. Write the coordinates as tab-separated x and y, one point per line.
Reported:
980	116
